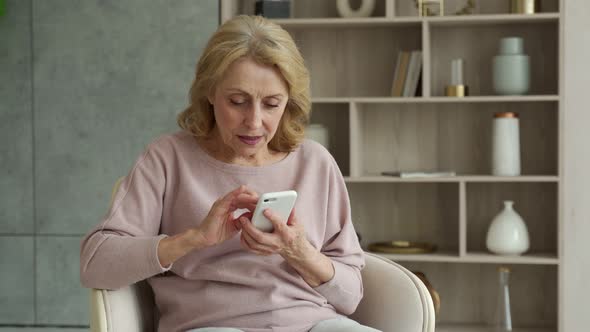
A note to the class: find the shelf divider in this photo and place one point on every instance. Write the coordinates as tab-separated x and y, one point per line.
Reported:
425	59
356	140
462	219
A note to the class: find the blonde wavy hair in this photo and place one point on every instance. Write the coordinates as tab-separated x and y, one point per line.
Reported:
266	43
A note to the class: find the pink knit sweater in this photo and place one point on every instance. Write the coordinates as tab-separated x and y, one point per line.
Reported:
171	188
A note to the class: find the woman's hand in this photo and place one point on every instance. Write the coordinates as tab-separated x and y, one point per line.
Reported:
220	225
288	240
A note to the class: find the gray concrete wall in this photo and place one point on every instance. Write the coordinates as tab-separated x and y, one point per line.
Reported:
84	86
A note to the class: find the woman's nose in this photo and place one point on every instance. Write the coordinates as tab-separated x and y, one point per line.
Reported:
253	117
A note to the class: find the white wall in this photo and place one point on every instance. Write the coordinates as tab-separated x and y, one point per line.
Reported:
575	277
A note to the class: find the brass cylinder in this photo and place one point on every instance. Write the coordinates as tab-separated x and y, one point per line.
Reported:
525	6
457	91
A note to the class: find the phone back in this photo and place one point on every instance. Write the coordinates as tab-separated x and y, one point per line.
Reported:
281	203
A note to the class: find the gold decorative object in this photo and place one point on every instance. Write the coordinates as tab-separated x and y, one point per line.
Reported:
467	9
525	6
457	91
402	247
457	87
433	293
428	7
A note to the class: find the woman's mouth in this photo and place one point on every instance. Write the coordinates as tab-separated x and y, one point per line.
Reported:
250	140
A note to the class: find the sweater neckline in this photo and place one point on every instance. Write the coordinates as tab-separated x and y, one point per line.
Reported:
236	168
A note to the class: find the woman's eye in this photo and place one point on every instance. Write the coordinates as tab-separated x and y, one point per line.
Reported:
272	105
236	102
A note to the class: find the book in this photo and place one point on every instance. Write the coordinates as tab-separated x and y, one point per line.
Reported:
400	74
418	174
414	70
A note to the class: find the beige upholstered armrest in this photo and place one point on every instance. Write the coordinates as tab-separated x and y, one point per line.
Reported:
394	298
128	309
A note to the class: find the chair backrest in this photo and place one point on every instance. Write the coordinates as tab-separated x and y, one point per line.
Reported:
394	298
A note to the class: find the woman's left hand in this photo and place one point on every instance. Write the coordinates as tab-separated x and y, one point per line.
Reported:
288	238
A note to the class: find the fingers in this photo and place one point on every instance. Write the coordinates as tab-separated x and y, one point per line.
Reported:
266	240
292	218
226	201
245	201
277	222
249	243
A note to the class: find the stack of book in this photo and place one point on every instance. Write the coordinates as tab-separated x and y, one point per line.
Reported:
407	74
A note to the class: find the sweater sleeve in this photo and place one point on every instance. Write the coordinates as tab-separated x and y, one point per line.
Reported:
122	248
345	290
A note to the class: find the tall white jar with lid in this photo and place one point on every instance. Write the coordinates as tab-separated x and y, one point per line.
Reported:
506	144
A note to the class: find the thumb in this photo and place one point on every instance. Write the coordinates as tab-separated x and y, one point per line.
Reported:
274	219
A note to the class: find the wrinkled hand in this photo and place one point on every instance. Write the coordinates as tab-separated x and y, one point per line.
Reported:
220	225
288	239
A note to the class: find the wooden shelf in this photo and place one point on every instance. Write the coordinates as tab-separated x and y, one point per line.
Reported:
456	179
534	258
484	328
413	20
352	62
346	22
418	100
465	20
478	258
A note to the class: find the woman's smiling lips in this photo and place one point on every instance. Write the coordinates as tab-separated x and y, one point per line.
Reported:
250	140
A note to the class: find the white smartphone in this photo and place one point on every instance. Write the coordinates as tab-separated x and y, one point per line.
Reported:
280	202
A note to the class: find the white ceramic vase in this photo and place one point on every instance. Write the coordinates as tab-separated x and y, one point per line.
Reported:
506	144
508	233
365	9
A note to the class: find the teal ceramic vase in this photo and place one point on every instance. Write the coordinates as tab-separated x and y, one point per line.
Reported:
511	72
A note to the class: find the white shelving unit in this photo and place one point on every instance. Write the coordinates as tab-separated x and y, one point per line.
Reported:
352	63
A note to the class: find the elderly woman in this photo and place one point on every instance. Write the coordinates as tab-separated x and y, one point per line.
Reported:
181	217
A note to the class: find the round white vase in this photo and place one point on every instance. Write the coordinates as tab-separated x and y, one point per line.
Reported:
508	234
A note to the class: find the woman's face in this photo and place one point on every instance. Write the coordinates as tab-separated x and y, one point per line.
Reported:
248	105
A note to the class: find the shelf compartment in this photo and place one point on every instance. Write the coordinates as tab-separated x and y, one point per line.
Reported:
449	42
483	328
303	8
535	202
408	8
495	19
358	62
427	100
474	257
458	178
529	258
335	117
468	293
448	21
453	137
419	212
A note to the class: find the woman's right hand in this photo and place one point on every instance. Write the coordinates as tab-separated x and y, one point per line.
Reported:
220	224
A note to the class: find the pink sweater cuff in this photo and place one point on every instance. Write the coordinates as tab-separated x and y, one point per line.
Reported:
343	291
155	255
